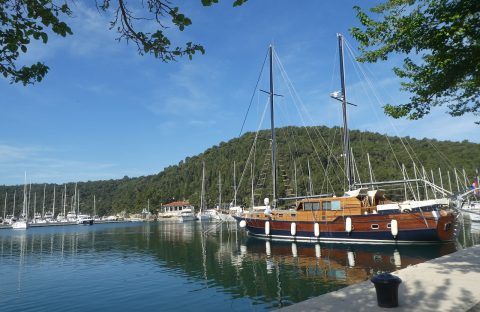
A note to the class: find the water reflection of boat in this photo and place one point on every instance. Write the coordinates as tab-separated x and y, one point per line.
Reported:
345	262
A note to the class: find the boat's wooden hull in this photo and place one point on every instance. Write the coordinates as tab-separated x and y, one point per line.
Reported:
412	228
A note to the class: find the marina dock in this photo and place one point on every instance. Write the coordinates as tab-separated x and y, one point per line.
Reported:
448	283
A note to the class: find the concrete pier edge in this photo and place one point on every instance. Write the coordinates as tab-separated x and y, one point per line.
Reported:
448	283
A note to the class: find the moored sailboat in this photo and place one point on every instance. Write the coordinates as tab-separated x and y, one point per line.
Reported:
22	222
359	216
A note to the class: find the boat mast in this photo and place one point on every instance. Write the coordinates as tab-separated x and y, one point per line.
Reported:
274	145
65	201
234	186
53	203
202	195
346	136
5	208
370	171
43	204
219	190
13	209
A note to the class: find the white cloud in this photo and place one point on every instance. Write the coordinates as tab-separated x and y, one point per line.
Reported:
190	90
34	160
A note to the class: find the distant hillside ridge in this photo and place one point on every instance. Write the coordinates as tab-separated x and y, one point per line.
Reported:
297	146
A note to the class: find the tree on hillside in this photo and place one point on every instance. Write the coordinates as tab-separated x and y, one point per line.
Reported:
440	40
23	21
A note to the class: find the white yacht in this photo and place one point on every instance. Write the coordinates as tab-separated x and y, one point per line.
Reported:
84	220
72	216
20	225
187	214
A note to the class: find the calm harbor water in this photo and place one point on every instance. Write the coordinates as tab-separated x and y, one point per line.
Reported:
166	266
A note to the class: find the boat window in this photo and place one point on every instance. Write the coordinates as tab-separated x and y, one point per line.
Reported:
389	226
307	206
336	205
315	206
374	226
327	205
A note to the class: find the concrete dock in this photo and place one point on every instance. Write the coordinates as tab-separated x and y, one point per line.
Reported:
448	283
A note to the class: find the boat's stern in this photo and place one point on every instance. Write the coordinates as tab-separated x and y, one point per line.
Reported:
446	225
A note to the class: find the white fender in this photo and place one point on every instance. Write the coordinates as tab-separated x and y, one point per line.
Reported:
294	250
397	260
351	259
243	250
394	228
268	248
267	227
243	223
293	228
316	229
348	225
270	265
318	252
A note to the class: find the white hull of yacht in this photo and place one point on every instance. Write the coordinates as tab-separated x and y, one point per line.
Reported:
20	225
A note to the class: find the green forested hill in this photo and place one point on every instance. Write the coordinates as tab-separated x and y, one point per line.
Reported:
321	146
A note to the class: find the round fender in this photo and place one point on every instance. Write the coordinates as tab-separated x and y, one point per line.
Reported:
394	228
348	225
267	227
243	223
294	250
293	228
316	229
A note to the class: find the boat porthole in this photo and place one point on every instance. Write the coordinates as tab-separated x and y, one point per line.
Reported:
448	226
389	226
374	226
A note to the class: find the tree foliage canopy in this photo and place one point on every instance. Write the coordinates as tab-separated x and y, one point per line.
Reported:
22	21
441	43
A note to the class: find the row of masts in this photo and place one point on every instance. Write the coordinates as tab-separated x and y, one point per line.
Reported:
74	205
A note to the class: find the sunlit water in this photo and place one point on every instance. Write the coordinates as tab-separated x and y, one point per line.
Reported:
173	266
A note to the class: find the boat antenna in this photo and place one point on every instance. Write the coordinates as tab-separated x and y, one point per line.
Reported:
346	136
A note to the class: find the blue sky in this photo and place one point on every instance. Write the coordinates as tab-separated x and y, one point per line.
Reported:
104	112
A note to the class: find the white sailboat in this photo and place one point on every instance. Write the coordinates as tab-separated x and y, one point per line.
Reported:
203	215
22	222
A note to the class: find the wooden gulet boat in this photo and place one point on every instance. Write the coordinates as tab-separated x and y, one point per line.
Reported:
359	216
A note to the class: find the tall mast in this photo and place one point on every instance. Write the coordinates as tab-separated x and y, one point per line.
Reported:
202	195
370	170
219	190
253	196
43	204
14	196
24	208
274	144
346	136
65	201
234	186
53	203
5	208
310	183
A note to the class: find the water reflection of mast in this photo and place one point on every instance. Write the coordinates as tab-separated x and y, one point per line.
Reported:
204	251
21	264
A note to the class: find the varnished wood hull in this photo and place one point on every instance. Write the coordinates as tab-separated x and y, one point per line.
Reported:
413	227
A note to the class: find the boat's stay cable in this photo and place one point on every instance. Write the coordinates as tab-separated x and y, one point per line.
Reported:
410	152
253	146
296	98
253	95
406	144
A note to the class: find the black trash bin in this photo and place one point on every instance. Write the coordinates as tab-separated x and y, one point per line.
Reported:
386	286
